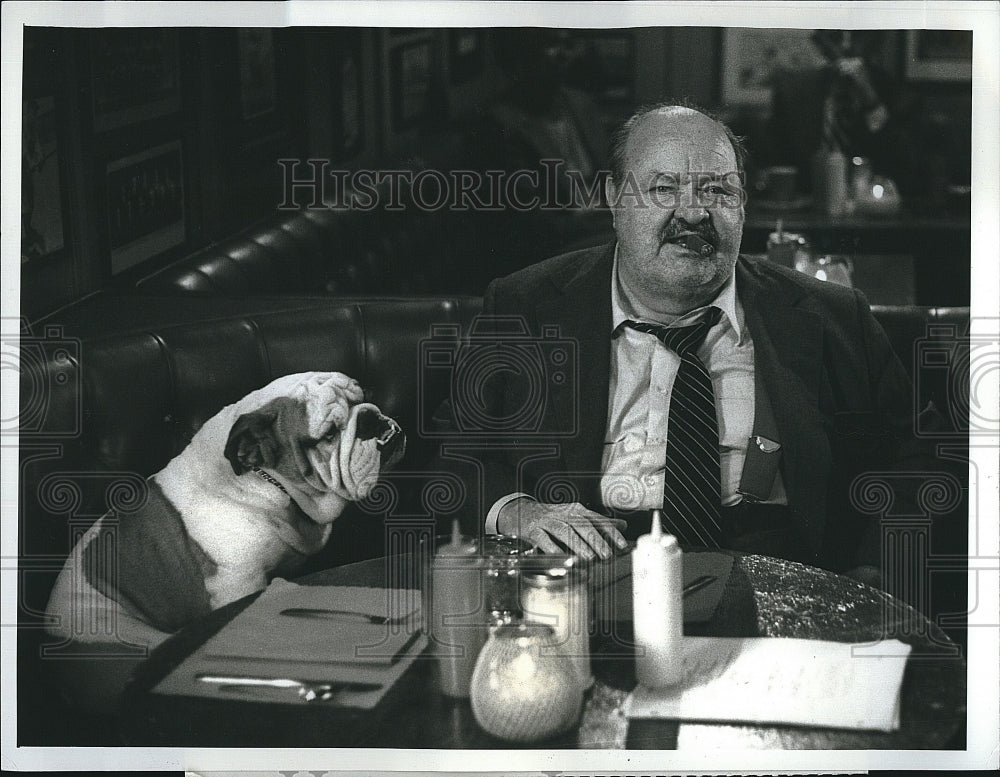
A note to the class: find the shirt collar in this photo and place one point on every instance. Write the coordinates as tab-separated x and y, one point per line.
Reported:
623	308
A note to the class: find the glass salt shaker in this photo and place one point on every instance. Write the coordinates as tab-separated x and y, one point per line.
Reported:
524	687
554	593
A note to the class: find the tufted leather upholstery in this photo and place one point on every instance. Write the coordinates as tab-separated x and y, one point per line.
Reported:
287	254
387	245
339	252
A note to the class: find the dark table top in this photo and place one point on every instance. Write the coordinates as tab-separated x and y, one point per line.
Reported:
763	597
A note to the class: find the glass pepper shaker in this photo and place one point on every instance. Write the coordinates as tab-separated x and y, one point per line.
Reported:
501	569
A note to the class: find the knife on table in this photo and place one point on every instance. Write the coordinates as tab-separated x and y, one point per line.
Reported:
325	613
698	583
310	690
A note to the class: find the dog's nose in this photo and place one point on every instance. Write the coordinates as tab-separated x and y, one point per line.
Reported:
370	424
391	443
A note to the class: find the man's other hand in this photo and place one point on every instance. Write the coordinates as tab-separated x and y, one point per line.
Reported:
583	532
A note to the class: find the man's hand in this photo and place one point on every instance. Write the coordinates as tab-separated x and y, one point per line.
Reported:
584	532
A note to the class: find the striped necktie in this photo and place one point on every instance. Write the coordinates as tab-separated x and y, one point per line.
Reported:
691	491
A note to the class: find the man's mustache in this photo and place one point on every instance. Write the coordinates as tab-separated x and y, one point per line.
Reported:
675	228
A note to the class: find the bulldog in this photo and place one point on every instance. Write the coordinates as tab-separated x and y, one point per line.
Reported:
253	495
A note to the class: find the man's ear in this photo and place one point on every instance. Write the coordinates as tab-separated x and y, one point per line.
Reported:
253	441
611	196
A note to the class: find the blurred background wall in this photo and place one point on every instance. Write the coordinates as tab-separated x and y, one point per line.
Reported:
142	146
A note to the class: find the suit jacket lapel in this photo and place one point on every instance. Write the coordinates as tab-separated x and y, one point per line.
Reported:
788	351
583	313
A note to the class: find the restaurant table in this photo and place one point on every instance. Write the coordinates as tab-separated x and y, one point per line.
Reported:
763	597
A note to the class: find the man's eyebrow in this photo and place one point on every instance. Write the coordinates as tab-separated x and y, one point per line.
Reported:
706	175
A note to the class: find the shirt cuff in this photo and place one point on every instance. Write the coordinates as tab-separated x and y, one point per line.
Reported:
494	514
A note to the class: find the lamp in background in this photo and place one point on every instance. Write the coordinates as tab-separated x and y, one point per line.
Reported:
835	268
872	195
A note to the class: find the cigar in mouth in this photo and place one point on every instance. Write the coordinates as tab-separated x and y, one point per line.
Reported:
693	242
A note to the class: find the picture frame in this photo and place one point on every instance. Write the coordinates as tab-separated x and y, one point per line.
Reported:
465	55
145	204
135	75
938	55
348	100
257	72
410	79
752	56
42	215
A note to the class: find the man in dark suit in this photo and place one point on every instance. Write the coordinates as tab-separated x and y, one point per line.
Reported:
806	389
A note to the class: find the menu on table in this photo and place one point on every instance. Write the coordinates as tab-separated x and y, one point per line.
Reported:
778	680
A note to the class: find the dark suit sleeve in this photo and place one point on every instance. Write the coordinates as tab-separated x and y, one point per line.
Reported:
500	475
481	460
890	387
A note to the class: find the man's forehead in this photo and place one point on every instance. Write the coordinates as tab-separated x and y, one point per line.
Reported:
679	143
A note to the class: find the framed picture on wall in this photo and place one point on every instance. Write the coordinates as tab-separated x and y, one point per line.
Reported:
145	198
410	84
751	57
349	100
465	55
135	75
939	55
258	72
41	190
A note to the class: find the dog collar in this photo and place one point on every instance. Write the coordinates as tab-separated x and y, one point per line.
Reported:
294	506
262	474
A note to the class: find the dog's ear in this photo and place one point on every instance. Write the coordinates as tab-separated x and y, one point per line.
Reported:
253	441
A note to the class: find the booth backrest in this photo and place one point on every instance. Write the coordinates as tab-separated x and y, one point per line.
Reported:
933	345
98	415
310	251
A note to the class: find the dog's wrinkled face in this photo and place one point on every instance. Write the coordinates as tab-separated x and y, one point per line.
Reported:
320	438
